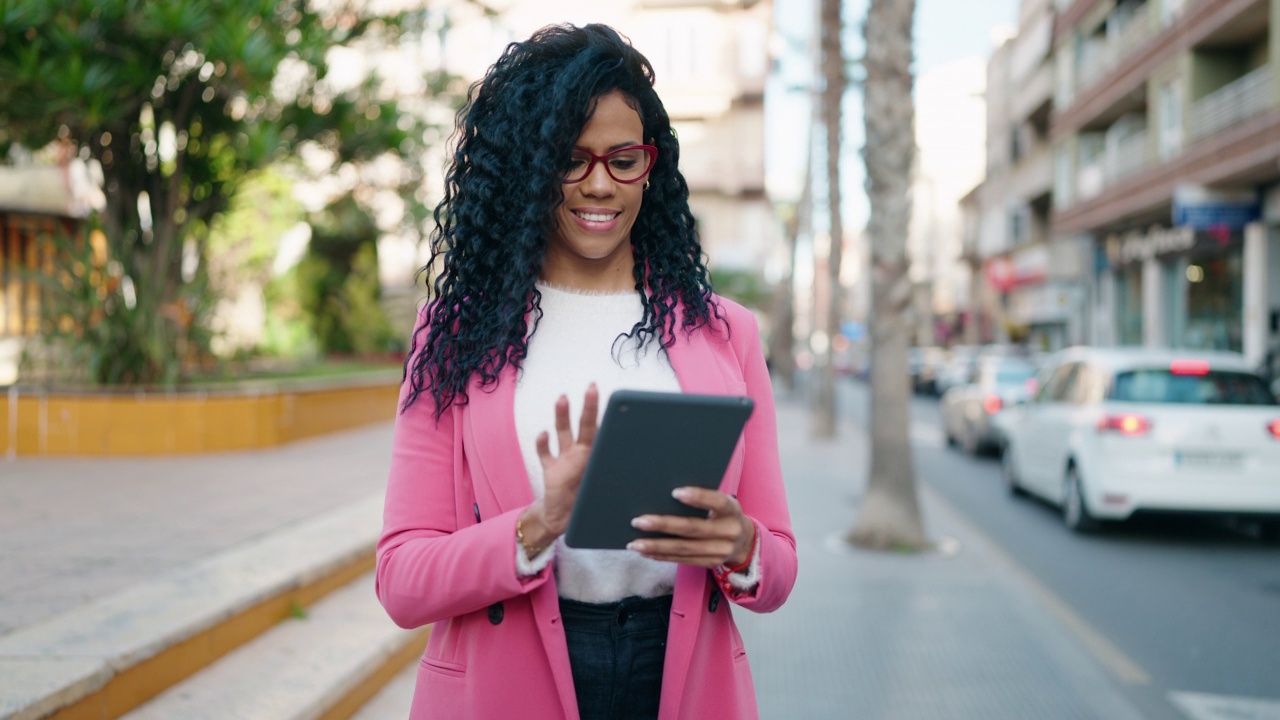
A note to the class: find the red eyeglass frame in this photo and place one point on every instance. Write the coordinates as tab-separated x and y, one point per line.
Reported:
653	159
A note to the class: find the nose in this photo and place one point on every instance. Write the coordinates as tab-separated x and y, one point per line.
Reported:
598	182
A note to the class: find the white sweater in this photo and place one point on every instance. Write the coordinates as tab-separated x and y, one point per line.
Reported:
573	346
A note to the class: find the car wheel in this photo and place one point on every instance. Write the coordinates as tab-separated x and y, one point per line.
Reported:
1010	475
1075	510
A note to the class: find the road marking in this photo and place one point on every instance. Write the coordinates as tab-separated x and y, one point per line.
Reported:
1120	664
1202	706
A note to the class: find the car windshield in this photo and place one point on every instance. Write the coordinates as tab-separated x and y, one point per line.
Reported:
1212	388
1014	374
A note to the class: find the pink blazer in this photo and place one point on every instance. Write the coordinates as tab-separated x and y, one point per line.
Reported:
447	554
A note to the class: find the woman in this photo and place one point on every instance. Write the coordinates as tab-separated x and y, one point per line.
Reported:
569	263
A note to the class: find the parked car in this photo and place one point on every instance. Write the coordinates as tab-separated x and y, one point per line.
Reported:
923	365
968	410
958	369
1111	432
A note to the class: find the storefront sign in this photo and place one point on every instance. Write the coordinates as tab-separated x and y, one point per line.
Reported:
999	273
1137	246
1025	266
1200	208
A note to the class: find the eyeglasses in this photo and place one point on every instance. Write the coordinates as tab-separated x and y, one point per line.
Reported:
625	165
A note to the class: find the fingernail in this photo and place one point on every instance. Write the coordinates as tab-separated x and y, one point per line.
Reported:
637	546
681	493
640	523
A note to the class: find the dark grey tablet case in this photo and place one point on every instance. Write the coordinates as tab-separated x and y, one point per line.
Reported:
649	444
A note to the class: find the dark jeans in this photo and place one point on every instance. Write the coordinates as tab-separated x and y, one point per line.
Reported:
616	651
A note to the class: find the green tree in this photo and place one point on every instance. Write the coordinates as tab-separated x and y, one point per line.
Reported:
337	282
179	101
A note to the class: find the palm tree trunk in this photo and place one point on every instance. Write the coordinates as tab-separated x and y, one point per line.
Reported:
889	514
782	334
834	81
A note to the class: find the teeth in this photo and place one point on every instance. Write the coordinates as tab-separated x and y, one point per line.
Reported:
595	217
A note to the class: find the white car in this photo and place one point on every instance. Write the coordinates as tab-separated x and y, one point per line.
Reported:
969	410
1114	431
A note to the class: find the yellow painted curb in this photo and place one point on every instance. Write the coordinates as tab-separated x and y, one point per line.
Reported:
37	422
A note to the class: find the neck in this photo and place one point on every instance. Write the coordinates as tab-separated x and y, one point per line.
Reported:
607	275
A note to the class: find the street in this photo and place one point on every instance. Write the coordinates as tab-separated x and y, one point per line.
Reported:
1184	611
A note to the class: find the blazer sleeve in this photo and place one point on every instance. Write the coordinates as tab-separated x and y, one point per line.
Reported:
761	490
434	559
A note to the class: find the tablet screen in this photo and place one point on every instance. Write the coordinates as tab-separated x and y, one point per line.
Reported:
649	444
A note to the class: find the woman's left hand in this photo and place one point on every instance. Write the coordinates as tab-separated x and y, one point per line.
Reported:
725	537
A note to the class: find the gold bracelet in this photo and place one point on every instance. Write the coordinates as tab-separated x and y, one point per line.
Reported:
528	551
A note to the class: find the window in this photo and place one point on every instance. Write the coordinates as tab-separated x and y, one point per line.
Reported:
1065	391
1170	10
1213	302
1128	305
1014	373
1213	388
1018	230
1063	171
1055	389
1170	119
1090	385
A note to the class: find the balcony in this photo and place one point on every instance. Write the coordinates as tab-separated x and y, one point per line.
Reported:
1033	174
1101	57
1035	94
1131	155
1233	103
1125	152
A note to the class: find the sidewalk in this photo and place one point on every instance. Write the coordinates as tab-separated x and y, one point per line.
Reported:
947	635
954	635
72	530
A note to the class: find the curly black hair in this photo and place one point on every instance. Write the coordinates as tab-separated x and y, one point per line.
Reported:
513	139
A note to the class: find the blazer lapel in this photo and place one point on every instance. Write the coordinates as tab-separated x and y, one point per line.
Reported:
697	368
497	471
695	362
493	448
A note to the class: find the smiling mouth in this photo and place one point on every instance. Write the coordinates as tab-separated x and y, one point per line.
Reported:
596	217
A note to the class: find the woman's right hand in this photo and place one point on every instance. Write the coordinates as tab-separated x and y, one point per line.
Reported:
547	518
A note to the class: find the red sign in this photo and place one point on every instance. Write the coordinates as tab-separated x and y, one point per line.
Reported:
999	273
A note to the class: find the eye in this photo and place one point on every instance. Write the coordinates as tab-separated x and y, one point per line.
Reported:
625	160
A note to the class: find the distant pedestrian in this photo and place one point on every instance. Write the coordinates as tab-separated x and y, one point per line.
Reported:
567	260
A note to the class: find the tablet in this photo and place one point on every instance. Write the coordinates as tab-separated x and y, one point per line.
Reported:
648	444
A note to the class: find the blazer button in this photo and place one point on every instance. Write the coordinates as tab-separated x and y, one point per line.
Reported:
495	613
715	600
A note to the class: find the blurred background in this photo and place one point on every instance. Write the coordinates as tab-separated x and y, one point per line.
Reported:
213	216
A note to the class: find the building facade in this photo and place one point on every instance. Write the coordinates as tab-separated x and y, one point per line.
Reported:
1032	284
1132	192
1166	143
38	202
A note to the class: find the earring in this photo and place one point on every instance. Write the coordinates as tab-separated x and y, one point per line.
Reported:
646	184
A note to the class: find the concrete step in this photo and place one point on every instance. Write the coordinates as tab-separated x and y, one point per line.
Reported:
325	663
394	699
107	657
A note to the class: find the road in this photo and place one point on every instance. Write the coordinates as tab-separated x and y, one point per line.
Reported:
1186	612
